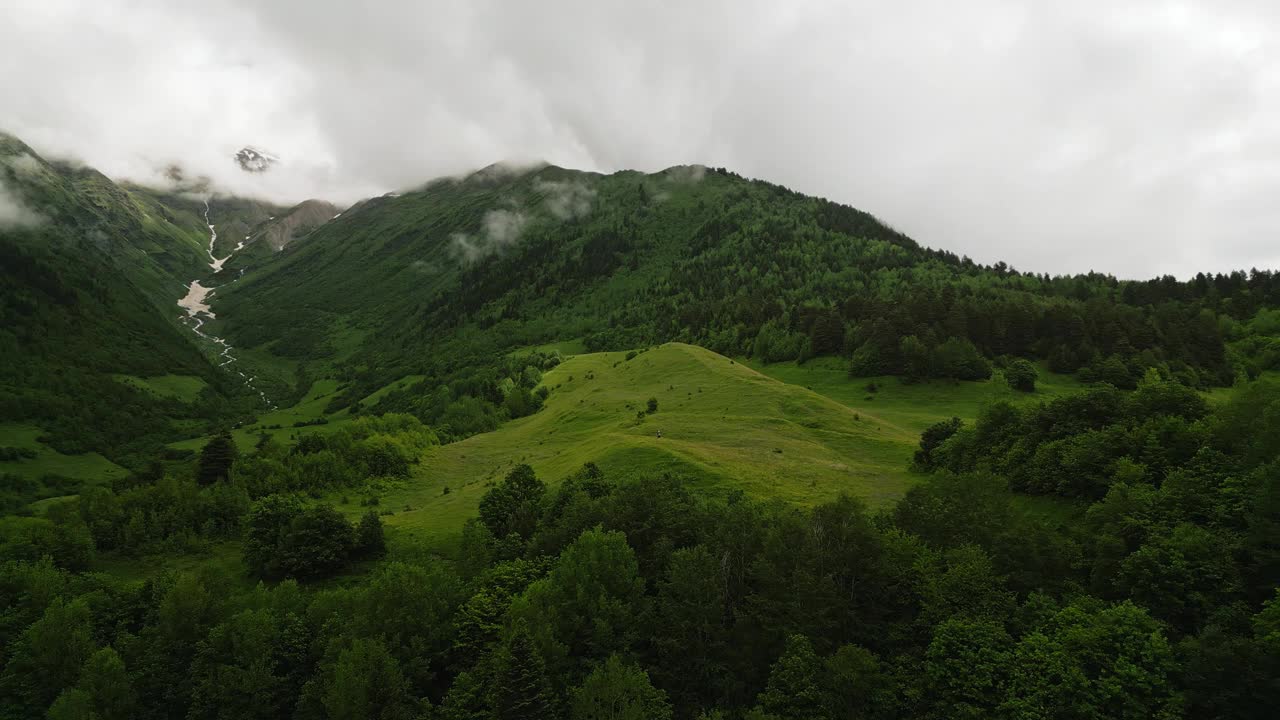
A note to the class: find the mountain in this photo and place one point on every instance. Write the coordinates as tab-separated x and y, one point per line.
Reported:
88	294
87	304
253	160
268	237
438	281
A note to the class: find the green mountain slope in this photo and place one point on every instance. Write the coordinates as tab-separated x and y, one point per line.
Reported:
87	297
440	281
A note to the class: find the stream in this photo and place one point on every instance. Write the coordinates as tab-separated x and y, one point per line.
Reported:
196	304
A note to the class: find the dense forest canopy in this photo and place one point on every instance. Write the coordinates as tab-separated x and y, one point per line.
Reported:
1157	597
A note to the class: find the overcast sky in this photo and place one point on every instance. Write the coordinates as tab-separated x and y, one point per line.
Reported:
1135	138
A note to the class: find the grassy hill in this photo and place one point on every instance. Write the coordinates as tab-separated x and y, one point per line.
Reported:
798	433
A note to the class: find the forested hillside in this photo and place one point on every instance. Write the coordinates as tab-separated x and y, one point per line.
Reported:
465	509
440	281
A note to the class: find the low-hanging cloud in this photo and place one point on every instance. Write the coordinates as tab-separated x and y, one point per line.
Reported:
24	165
14	213
1136	138
566	199
687	173
499	229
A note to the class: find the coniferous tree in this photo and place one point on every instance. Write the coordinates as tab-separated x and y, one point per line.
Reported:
216	459
521	688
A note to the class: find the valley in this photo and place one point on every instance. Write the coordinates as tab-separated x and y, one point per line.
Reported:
196	305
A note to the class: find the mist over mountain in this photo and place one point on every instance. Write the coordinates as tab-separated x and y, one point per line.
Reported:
1128	140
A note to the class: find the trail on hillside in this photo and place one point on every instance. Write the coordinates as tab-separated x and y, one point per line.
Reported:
198	310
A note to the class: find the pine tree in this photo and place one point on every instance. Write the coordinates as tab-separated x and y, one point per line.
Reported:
216	459
521	690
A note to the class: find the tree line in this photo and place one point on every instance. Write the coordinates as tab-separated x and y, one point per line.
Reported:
1146	588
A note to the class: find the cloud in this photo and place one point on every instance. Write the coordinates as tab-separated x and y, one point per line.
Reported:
687	173
499	229
566	199
14	213
1137	138
503	227
24	165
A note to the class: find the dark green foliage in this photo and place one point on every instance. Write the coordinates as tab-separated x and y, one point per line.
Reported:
249	665
1156	601
370	541
915	359
775	343
794	689
364	681
932	438
49	655
651	406
966	669
513	506
286	540
1090	660
106	685
216	459
1021	375
521	688
958	359
598	577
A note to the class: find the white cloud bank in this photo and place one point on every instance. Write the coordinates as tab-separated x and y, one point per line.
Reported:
1137	138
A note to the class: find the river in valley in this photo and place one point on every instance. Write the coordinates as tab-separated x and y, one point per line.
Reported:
198	311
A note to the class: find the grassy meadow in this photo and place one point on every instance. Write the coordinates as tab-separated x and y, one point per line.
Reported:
798	433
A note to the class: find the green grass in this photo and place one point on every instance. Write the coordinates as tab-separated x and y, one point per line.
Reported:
724	427
179	387
404	382
916	406
89	467
309	408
